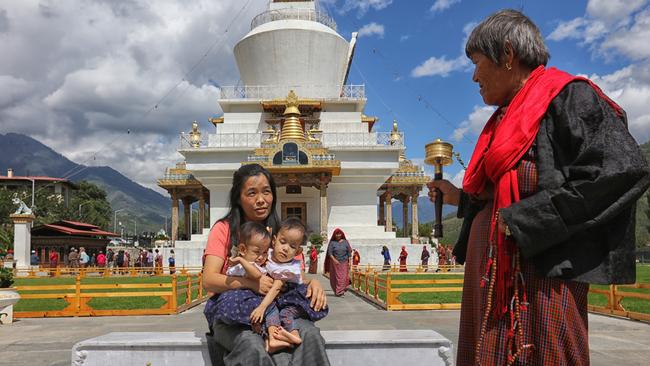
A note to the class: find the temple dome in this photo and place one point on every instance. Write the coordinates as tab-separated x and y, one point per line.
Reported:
296	48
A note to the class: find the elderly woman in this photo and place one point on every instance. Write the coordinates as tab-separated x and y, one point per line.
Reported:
337	262
548	203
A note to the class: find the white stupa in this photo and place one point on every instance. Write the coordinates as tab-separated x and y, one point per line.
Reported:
295	115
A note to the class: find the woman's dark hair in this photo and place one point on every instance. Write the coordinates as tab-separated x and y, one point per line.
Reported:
491	35
291	223
251	229
235	215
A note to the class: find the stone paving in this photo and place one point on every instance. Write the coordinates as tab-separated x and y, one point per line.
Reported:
49	341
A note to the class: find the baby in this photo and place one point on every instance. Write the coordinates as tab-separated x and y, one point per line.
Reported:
279	309
231	306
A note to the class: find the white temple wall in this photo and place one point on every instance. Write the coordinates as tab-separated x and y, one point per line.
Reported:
243	122
347	116
219	204
352	204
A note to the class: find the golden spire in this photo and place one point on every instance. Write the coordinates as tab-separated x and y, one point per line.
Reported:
291	126
394	135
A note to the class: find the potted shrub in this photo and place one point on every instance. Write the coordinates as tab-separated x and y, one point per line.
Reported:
8	296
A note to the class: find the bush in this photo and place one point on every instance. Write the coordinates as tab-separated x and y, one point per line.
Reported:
6	277
316	240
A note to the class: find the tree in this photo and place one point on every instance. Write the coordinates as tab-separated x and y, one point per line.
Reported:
90	205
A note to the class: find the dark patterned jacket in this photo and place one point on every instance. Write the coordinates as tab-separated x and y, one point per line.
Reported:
580	223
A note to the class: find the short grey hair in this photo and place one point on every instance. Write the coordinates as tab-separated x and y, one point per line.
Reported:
491	35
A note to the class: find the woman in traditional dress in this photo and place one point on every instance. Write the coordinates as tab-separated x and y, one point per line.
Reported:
338	262
252	198
402	259
424	257
548	202
386	254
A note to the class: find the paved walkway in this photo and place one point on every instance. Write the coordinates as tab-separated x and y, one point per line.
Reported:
49	341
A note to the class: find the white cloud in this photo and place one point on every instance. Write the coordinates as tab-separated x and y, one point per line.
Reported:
439	66
100	66
617	28
630	88
612	11
633	42
404	37
372	29
610	28
474	122
441	5
363	6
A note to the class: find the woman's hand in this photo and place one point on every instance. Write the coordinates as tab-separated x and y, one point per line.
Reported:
263	285
336	261
450	193
317	295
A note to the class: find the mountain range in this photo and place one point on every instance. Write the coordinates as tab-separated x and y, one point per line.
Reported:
27	156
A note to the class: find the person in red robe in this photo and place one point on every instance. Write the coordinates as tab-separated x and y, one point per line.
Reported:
313	259
356	257
402	260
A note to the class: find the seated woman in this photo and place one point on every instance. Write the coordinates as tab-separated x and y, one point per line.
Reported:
252	198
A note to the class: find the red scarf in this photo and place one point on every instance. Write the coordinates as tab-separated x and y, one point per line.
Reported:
499	148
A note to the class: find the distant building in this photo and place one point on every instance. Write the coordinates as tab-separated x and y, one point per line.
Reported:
61	236
58	186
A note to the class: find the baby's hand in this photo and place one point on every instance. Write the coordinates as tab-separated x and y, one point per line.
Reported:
234	261
257	315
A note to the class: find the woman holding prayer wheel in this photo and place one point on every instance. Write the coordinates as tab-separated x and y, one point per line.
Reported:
548	202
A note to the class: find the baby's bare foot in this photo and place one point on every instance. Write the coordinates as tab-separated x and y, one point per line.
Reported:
292	337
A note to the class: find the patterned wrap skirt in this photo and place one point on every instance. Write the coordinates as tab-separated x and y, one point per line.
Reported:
235	306
555	322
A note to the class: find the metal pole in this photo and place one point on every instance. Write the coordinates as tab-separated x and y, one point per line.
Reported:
33	186
115	218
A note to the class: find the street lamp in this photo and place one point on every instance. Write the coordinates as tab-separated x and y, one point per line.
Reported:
81	204
115	218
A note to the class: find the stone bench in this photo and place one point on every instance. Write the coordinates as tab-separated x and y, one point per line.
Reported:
344	347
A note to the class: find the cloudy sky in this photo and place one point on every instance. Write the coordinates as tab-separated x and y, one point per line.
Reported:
111	82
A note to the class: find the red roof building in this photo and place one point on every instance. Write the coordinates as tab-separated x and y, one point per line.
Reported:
62	236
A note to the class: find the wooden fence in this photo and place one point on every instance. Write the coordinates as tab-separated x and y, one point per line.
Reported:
385	287
79	295
40	272
615	296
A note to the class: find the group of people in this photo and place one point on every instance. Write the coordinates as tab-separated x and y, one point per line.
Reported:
547	203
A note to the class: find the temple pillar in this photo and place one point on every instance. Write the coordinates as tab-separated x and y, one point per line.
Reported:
187	217
414	218
382	202
323	210
199	229
174	216
405	216
389	211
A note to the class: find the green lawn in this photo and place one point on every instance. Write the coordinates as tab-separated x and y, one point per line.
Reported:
107	303
637	305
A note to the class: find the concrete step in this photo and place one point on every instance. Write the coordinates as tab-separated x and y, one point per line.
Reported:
344	347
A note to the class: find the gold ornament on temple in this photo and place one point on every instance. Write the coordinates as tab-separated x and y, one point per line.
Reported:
195	135
291	126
